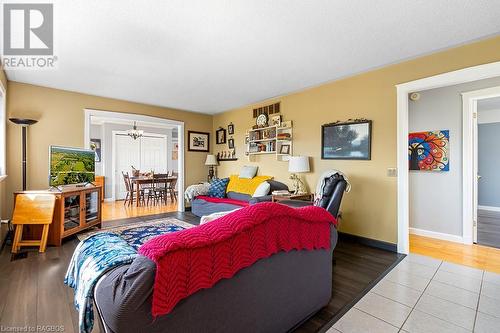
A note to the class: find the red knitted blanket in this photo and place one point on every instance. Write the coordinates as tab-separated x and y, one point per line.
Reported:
197	258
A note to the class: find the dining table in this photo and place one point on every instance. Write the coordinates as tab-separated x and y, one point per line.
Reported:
138	181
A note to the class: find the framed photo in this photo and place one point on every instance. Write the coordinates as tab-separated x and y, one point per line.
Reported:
285	149
346	141
230	129
95	145
230	143
429	150
276	120
175	152
220	136
198	141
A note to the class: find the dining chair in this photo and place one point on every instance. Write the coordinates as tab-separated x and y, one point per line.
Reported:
160	187
131	196
172	185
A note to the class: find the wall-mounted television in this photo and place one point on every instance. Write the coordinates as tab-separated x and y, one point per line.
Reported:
71	166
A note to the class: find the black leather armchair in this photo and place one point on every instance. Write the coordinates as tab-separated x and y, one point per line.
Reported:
331	199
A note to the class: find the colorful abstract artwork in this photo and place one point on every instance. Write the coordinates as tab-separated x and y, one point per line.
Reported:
428	151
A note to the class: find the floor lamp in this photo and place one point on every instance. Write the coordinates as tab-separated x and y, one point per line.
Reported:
24	124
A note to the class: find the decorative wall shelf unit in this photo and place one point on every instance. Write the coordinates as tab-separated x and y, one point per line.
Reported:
227	159
269	140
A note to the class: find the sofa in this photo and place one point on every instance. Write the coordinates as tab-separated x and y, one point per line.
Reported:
204	205
274	294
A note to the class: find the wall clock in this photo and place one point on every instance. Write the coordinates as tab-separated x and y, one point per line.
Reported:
262	120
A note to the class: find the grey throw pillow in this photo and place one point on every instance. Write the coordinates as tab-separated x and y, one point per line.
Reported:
248	171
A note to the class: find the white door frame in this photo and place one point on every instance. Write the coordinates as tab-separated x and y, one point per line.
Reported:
403	90
88	113
470	131
113	155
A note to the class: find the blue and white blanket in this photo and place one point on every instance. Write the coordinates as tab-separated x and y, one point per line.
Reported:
92	258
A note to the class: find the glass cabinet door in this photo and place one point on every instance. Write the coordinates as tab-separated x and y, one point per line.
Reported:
71	212
91	206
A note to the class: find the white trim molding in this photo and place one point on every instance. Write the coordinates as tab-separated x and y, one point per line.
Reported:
437	235
403	90
489	208
88	113
469	159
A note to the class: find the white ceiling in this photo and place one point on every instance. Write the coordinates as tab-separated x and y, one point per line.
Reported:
210	56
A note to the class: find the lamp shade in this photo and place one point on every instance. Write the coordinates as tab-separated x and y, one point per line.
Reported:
211	160
298	164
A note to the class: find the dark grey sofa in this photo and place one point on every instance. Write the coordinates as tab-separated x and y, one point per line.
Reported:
200	207
274	295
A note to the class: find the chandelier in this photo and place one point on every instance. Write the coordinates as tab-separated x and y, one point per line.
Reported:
134	133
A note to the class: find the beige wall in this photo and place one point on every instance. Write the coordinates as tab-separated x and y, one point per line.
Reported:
3	82
60	118
369	210
3	78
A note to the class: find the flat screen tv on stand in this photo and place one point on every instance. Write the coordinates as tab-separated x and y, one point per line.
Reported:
71	166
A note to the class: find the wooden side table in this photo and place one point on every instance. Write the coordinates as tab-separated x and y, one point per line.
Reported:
302	197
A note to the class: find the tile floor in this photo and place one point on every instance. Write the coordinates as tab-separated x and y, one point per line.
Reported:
422	294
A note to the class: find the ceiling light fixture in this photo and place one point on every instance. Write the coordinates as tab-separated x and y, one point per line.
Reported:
134	133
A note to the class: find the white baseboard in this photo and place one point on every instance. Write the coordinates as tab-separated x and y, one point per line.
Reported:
109	199
490	208
437	235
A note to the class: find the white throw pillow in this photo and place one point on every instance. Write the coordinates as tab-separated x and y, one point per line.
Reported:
248	171
262	190
214	216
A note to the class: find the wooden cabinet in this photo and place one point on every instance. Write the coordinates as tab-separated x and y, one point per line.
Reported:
99	181
76	209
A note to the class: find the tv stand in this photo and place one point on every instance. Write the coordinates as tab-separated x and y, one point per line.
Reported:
76	209
58	188
85	184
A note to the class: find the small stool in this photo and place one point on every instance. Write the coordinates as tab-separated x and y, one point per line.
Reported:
32	208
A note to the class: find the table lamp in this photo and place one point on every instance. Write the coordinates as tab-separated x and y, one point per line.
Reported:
298	164
211	162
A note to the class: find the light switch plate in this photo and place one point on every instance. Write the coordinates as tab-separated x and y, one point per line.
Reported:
392	172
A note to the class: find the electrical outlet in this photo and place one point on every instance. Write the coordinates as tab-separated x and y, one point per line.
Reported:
392	172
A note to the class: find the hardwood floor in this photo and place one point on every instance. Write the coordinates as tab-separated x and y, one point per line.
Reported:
477	256
32	290
113	210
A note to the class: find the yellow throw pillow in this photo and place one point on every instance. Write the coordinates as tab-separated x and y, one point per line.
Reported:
245	185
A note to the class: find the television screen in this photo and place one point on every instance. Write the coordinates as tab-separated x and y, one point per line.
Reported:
71	166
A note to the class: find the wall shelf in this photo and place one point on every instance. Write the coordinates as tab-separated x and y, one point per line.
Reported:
269	140
227	159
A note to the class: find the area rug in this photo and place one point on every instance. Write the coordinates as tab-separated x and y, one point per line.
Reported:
136	234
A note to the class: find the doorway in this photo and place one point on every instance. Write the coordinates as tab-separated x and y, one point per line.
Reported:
148	153
486	229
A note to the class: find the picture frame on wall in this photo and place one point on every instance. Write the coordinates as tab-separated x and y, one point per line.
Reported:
230	143
275	120
220	136
346	140
95	145
230	129
198	141
285	149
